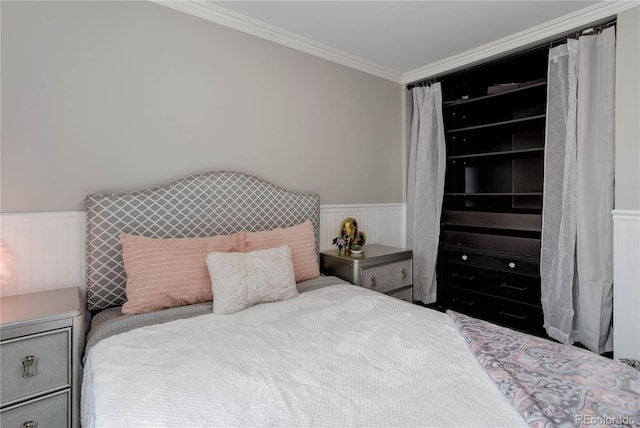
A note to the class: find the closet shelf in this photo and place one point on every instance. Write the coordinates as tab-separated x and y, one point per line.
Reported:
456	103
495	194
495	124
500	153
528	222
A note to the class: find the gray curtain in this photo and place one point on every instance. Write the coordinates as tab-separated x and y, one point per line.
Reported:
595	183
557	257
576	261
425	188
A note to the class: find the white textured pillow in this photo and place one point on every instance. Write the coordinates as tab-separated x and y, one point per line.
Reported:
241	280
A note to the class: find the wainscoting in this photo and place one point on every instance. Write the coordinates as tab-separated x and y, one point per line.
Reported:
44	251
626	284
382	223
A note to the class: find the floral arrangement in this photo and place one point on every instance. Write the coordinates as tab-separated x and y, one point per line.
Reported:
341	242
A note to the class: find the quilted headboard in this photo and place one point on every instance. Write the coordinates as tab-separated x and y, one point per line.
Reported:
213	203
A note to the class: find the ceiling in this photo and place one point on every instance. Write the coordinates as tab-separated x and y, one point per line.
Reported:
394	39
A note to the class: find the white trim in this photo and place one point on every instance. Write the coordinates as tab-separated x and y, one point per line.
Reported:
361	207
220	15
527	38
632	215
538	34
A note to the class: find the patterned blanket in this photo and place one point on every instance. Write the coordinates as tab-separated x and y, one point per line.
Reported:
551	384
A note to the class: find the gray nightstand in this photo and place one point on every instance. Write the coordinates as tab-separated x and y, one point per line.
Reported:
380	268
42	343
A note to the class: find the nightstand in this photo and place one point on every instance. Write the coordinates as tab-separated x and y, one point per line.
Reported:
379	267
42	340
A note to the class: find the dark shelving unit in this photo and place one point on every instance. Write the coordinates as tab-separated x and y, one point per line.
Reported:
488	264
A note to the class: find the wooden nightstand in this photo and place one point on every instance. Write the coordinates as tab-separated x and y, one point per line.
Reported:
42	343
380	268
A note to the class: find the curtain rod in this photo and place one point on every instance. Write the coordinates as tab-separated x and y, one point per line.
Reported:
595	29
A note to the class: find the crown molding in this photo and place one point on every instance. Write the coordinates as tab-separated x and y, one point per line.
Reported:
518	41
219	15
527	38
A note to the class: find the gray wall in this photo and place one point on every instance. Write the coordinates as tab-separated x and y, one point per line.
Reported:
118	96
628	110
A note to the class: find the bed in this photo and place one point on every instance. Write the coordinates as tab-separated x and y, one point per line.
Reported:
276	344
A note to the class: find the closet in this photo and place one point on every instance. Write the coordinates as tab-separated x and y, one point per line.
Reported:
489	250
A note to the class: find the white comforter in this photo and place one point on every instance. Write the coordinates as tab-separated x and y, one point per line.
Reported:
339	356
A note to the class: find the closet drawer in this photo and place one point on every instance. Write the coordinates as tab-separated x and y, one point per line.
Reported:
524	247
521	288
502	262
519	316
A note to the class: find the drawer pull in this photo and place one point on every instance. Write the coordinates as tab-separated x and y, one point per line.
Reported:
404	273
29	424
29	366
513	287
507	314
373	281
464	257
464	302
512	265
466	278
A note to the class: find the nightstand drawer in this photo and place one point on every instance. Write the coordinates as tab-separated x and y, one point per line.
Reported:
405	294
389	277
35	364
51	411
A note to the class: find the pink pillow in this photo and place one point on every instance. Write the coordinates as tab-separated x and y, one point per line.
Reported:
301	239
163	273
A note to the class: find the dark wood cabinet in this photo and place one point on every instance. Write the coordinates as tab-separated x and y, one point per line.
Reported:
489	252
